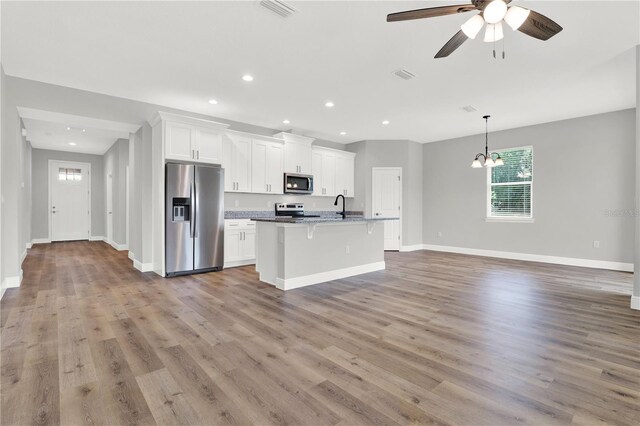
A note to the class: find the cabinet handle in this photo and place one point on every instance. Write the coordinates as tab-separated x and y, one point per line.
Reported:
193	153
198	154
269	187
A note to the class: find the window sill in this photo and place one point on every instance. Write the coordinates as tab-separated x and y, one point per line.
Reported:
510	219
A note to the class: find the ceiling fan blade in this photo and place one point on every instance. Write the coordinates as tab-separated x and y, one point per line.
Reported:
539	26
429	12
455	42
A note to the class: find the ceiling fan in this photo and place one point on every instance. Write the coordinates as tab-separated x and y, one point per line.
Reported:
492	12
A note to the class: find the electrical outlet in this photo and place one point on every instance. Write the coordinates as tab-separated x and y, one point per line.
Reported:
347	249
596	244
439	234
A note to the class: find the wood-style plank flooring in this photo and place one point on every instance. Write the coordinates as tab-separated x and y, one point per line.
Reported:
435	339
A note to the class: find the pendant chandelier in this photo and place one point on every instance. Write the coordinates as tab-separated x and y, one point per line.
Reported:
487	158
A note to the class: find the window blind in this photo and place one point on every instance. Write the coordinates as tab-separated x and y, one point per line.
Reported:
510	185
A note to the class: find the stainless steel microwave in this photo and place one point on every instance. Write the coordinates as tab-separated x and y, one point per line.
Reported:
295	183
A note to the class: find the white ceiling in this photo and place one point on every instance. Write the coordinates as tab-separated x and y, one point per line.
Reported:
50	130
183	54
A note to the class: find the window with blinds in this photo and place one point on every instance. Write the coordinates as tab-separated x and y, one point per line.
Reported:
509	187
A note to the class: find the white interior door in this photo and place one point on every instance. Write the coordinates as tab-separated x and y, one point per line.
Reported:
387	202
110	207
70	201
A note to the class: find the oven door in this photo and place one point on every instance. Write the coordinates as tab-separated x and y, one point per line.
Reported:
298	184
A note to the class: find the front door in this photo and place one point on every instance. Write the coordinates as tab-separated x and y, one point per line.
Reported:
387	196
70	201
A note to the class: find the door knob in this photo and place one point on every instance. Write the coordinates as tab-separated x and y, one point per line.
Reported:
377	214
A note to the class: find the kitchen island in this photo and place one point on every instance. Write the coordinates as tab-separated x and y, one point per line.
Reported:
297	252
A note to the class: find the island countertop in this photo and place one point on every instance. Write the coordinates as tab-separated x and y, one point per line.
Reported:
321	219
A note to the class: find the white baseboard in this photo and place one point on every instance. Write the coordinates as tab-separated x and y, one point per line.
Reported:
131	255
29	245
97	238
413	247
40	241
142	267
10	282
635	302
321	277
119	247
23	256
569	261
239	263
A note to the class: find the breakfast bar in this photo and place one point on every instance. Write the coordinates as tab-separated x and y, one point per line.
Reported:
297	252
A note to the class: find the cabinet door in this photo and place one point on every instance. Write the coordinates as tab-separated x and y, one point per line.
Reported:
350	172
259	166
248	244
208	146
241	164
232	244
316	170
297	158
274	168
292	157
329	173
341	177
178	141
227	163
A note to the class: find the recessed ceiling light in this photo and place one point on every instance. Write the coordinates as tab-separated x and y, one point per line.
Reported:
329	104
68	128
343	133
72	143
385	122
285	122
213	102
84	130
247	77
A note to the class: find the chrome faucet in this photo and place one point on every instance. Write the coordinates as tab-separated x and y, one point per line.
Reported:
335	203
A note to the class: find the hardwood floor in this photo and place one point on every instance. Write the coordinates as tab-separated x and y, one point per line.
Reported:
436	338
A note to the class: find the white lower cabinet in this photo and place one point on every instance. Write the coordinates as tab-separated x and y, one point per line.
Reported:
239	242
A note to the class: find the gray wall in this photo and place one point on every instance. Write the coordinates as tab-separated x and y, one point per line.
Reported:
400	153
40	199
582	169
116	160
2	143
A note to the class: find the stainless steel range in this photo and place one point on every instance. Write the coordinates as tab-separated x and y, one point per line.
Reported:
292	210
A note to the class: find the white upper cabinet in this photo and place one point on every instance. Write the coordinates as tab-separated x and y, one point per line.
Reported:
237	163
297	153
178	141
333	172
267	166
190	139
208	146
345	171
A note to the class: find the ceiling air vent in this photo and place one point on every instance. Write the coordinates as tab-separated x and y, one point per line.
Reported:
404	74
469	108
280	8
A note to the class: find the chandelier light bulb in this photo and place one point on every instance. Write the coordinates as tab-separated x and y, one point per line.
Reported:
499	161
489	162
476	164
516	16
495	11
493	33
472	27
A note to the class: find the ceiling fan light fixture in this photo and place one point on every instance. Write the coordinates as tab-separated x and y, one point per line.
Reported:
516	16
494	33
495	11
472	27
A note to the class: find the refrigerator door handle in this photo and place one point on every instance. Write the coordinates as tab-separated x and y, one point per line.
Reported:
192	218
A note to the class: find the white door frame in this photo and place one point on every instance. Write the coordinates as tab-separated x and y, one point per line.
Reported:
70	163
373	191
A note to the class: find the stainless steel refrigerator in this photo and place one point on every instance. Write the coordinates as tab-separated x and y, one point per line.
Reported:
194	218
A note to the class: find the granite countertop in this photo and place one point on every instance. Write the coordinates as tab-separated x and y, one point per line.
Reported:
322	219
